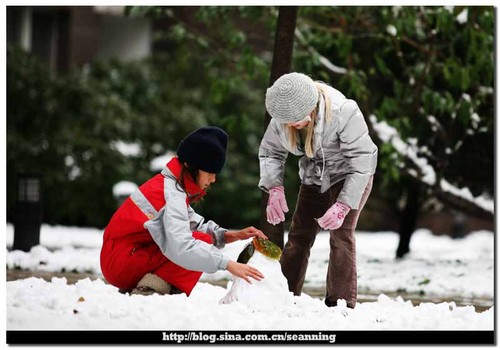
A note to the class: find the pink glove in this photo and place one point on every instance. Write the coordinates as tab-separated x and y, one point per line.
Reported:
276	206
334	217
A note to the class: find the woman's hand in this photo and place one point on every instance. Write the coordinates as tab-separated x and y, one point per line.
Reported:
334	217
244	271
276	205
243	234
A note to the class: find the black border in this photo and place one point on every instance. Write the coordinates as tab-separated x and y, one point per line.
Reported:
341	337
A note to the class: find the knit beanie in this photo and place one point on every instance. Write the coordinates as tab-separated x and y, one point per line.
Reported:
291	98
204	149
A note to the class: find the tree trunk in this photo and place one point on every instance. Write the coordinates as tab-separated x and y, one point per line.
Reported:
408	218
281	64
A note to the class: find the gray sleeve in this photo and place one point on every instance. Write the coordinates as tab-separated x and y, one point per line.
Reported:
272	158
197	223
359	152
171	231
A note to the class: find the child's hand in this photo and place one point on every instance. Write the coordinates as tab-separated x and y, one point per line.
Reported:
244	271
243	234
250	232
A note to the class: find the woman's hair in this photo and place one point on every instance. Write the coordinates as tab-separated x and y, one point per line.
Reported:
293	134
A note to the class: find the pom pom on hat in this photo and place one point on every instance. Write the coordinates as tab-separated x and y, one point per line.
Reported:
291	98
204	149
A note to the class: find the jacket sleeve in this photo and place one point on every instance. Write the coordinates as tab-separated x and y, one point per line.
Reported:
197	223
272	158
359	152
171	231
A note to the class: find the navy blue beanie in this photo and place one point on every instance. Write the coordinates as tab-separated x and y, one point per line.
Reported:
204	149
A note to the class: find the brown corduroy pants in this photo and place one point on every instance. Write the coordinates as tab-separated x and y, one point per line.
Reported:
341	279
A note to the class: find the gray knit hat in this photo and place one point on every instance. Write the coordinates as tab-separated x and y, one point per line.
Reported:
291	98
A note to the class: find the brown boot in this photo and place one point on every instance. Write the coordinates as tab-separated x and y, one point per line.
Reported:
151	284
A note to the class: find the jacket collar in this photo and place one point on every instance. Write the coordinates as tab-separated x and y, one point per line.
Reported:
194	192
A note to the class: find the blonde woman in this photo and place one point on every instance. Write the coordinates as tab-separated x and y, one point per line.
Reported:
315	121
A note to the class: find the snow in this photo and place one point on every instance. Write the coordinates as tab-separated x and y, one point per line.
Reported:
329	65
36	304
462	16
74	170
124	188
437	266
391	30
158	163
127	149
268	293
435	125
481	201
390	134
487	90
315	53
475	120
408	149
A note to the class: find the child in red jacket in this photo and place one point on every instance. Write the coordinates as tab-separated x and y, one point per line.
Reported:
156	243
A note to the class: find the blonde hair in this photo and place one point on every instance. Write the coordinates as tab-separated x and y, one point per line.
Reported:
293	134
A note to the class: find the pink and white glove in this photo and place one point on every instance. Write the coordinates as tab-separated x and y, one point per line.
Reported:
334	217
276	205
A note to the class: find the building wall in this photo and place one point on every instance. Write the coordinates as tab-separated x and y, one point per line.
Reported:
69	36
127	39
83	35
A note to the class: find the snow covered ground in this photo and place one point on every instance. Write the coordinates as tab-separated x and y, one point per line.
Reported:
437	267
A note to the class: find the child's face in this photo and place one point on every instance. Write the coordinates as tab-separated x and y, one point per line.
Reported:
301	123
205	179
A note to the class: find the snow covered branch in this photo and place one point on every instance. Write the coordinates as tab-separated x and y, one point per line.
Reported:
461	198
322	59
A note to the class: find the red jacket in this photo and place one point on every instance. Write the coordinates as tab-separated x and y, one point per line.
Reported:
146	216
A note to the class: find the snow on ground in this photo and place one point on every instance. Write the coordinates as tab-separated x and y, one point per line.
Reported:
437	265
36	304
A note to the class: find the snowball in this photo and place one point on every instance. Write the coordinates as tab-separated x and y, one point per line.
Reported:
270	292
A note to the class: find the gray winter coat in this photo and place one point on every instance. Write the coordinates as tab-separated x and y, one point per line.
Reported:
172	228
343	150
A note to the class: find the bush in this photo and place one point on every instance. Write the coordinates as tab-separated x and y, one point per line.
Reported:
67	126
